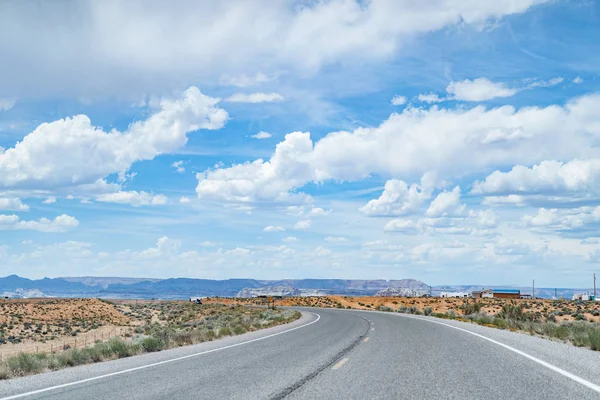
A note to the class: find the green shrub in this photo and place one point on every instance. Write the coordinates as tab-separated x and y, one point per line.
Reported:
24	364
225	331
238	330
471	308
427	311
594	338
384	308
152	344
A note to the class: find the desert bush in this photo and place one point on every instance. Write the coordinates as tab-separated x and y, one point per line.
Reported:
596	312
427	310
384	308
471	308
24	364
152	344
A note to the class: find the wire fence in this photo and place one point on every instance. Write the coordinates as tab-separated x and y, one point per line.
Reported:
61	344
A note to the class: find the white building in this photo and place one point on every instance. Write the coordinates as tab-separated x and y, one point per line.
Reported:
454	294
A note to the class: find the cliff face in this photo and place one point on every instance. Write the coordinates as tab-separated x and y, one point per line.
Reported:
269	291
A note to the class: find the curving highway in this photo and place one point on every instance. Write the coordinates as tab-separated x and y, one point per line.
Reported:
338	354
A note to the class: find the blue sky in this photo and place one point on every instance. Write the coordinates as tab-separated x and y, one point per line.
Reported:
448	142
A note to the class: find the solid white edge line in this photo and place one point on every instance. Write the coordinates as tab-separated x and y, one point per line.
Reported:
554	368
95	378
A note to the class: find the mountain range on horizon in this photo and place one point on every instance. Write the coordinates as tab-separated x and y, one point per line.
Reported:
182	288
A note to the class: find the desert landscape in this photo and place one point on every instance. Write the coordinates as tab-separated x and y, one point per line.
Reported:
47	334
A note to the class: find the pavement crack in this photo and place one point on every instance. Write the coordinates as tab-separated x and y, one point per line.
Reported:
330	362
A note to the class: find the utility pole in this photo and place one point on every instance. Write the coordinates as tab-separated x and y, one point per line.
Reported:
533	290
555	296
594	286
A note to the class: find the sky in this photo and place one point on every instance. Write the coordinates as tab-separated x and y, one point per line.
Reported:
450	141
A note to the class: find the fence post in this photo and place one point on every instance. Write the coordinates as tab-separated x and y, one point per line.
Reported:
75	343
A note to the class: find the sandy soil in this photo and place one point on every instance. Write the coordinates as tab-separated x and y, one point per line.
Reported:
438	305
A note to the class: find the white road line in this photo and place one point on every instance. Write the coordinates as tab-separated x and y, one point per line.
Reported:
554	368
95	378
340	363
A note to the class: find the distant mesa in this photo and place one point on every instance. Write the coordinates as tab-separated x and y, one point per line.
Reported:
282	291
401	292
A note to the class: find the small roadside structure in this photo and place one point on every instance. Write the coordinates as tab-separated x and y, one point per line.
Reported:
197	300
483	294
507	293
583	297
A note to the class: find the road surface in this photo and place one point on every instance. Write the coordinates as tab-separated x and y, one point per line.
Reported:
338	354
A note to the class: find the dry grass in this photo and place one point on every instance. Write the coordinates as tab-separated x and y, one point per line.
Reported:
152	326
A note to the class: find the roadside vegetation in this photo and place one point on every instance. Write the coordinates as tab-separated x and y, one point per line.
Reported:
516	317
162	325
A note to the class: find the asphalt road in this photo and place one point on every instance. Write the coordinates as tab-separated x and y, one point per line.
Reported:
338	354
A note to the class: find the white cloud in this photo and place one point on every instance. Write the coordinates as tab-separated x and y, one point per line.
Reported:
403	225
548	177
244	80
208	243
303	225
450	142
71	151
318	212
288	168
398	100
321	251
290	239
50	200
335	239
479	89
548	83
262	135
178	165
12	204
272	228
254	98
59	224
397	199
578	80
133	197
446	204
430	98
136	45
184	200
7	104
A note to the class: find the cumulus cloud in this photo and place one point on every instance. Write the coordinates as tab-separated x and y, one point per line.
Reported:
59	224
290	239
178	165
71	151
318	212
288	168
218	39
451	142
479	89
49	200
398	100
262	135
303	225
446	204
12	204
254	98
184	200
134	198
429	98
547	177
397	199
577	80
